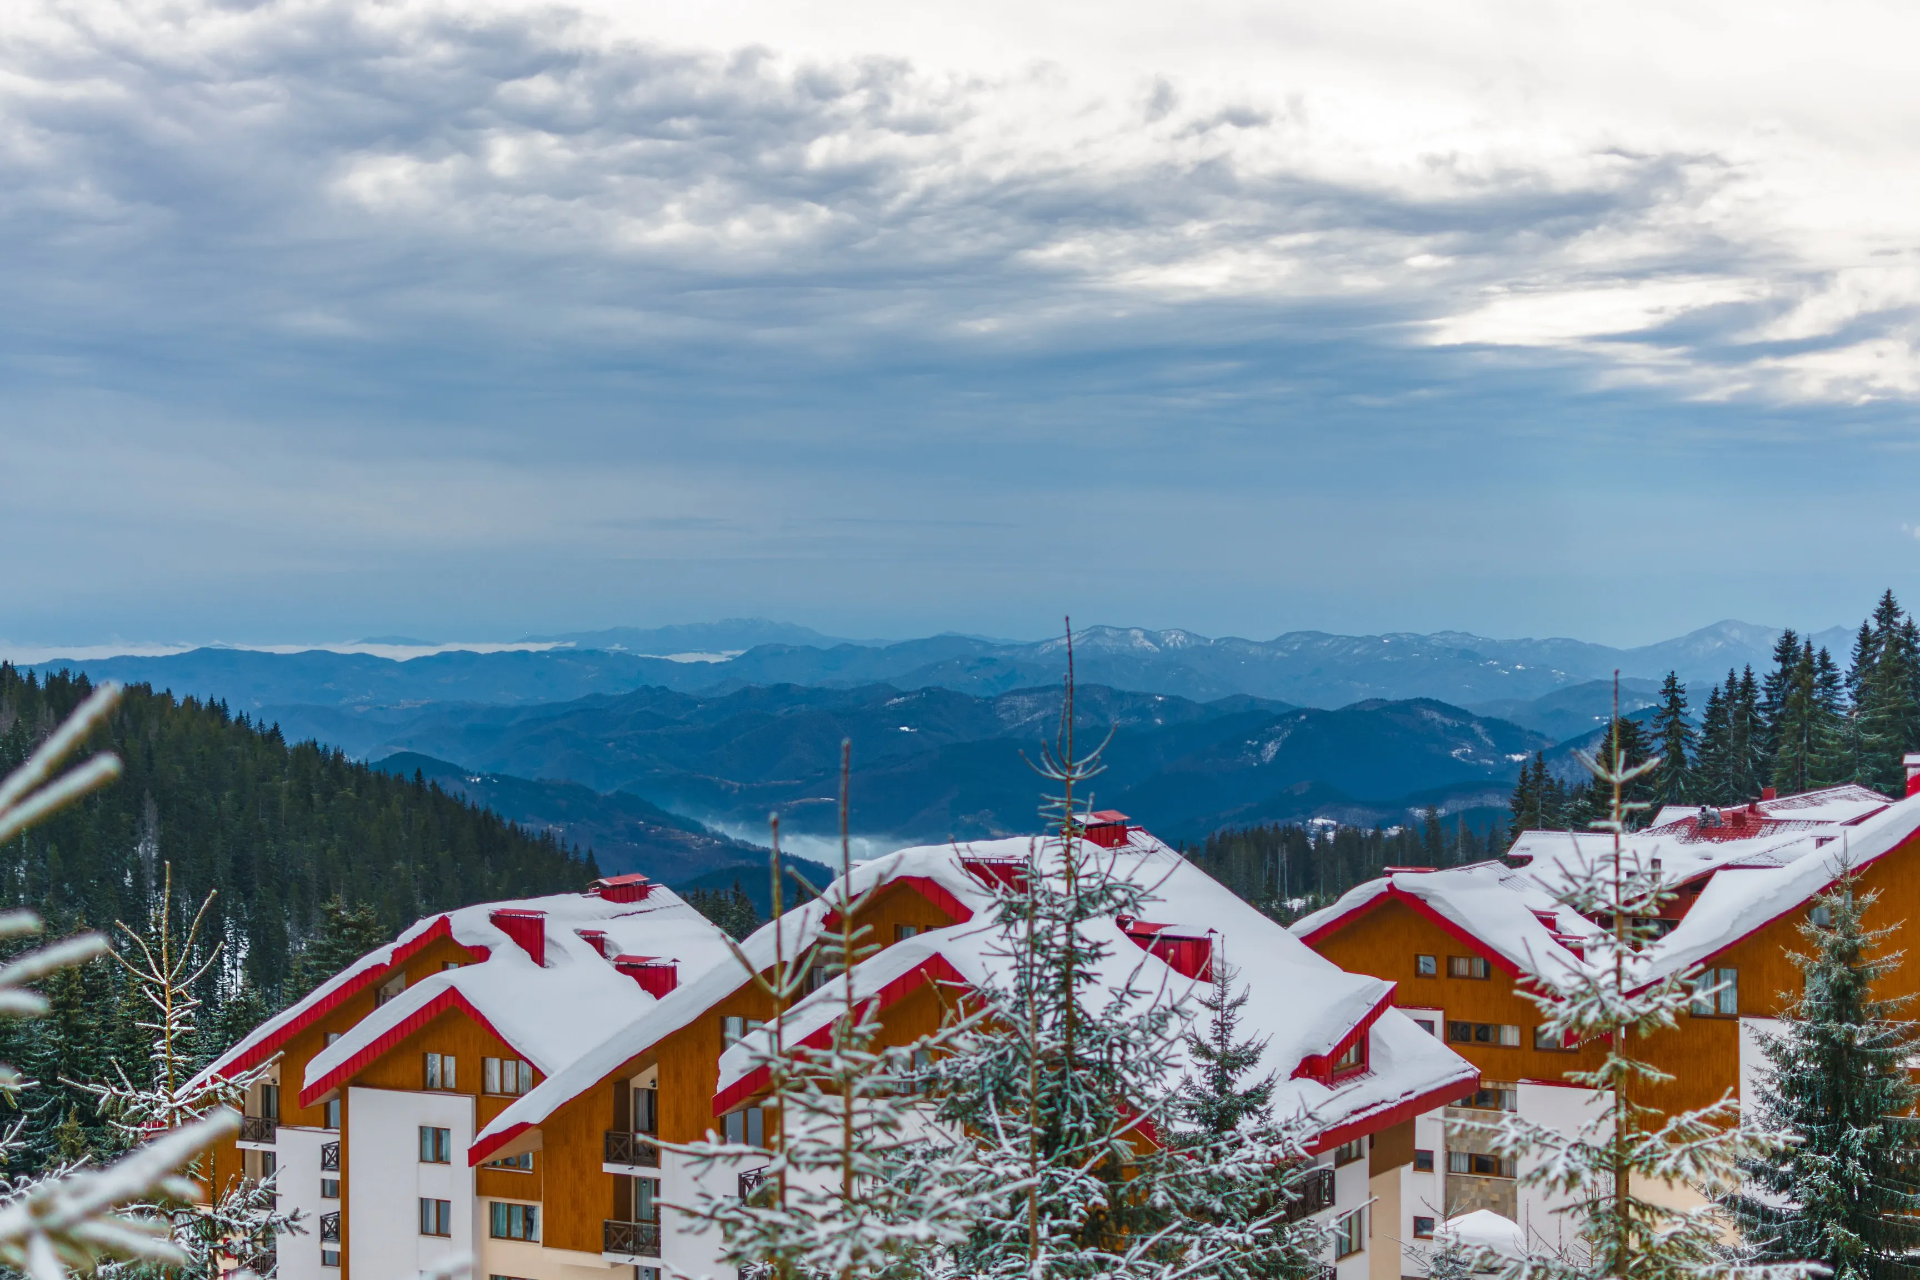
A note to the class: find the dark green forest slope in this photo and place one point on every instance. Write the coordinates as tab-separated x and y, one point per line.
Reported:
315	858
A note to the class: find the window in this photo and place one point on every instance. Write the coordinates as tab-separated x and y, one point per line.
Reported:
1422	1161
331	1036
329	1257
331	1114
748	1126
1468	967
1506	1035
1422	1228
901	932
646	1110
1822	916
436	1217
388	990
1482	1165
522	1163
440	1072
329	1188
1493	1097
1348	1152
270	1100
1350	1234
1426	966
734	1030
1721	1002
1354	1058
515	1221
436	1145
508	1076
646	1199
647	1273
1543	1038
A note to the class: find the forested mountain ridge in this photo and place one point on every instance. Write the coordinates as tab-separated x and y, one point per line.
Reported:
278	829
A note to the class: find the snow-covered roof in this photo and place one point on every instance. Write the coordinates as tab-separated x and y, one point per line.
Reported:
550	1013
1751	864
1301	1003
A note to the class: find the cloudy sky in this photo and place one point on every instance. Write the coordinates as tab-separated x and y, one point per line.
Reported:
468	321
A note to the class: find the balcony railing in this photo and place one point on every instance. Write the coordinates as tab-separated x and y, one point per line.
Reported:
330	1158
631	1239
258	1128
751	1181
631	1148
1314	1192
330	1227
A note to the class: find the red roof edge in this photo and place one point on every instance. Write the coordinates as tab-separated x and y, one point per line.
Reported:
1394	1114
1419	905
927	887
1319	1066
446	1001
479	1151
934	970
326	1004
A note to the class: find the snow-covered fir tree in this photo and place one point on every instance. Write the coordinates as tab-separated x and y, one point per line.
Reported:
1845	1191
844	1184
238	1229
1611	1171
1057	1103
74	1218
1219	1108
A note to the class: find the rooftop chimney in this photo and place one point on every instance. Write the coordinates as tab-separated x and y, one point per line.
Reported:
1767	793
528	929
655	976
595	938
632	887
1107	828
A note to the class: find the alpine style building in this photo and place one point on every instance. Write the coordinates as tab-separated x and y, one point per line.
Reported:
489	1083
1462	946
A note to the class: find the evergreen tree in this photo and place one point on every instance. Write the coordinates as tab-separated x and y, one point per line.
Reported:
1433	844
1835	741
1674	739
1747	741
1797	731
1524	804
1774	690
1843	1192
1711	764
731	909
1608	1169
347	931
1887	710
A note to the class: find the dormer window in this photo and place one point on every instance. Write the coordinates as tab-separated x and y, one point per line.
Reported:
1354	1058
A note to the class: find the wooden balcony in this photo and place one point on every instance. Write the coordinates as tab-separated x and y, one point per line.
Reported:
257	1132
1315	1192
631	1150
622	1240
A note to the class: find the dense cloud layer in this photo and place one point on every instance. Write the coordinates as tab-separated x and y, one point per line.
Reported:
307	284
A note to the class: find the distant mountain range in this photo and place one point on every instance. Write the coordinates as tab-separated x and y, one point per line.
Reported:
1304	668
930	763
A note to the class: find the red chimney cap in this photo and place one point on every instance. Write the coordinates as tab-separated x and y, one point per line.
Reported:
1767	793
1105	817
631	887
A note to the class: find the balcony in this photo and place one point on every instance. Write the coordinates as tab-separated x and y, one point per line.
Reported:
631	1150
330	1158
257	1132
1314	1192
751	1181
330	1227
627	1240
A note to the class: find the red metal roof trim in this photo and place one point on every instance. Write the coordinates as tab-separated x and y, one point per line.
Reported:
447	1001
1419	905
479	1151
1319	1066
1390	1116
935	970
326	1004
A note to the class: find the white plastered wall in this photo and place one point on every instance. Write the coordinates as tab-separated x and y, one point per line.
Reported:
1566	1108
299	1183
1352	1191
386	1181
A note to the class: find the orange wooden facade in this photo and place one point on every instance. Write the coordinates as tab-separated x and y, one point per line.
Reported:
1702	1054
